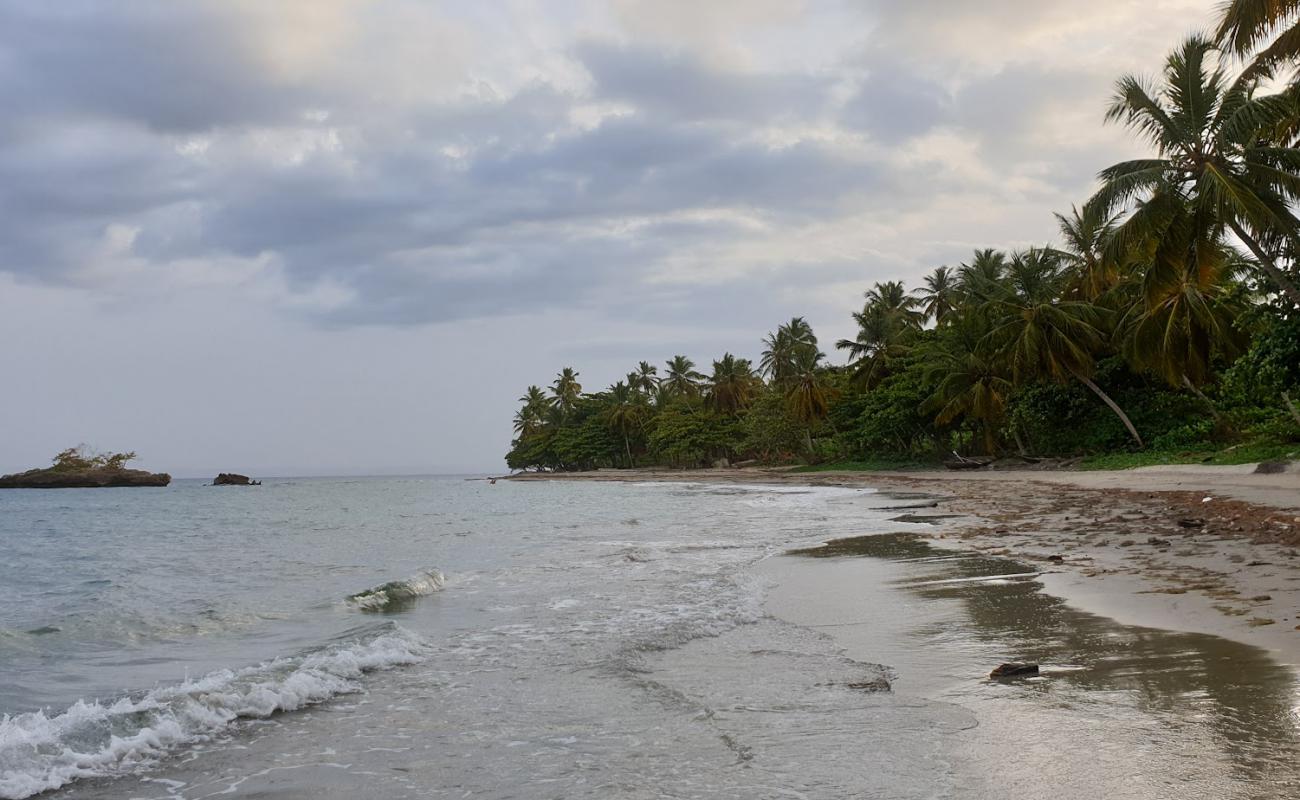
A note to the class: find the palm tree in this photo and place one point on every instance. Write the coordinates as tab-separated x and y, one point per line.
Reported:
807	396
979	281
1212	138
644	379
565	391
1038	335
940	297
1087	235
732	385
681	379
891	298
887	326
968	383
530	419
783	349
1266	31
1187	307
624	414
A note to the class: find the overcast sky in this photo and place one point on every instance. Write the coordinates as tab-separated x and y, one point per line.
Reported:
325	236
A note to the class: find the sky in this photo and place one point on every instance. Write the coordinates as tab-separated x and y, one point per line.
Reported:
343	236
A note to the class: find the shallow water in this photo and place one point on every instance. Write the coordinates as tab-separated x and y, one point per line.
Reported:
567	640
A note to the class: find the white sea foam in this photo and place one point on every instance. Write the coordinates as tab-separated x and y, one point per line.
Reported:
40	751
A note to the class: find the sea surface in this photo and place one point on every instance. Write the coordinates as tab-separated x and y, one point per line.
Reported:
444	637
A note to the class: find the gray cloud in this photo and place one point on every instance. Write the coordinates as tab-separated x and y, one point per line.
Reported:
169	124
171	66
680	86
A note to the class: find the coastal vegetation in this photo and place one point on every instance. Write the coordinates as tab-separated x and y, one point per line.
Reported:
1164	325
79	467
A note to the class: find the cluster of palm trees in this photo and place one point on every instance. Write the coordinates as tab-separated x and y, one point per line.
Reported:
1157	267
792	362
1148	268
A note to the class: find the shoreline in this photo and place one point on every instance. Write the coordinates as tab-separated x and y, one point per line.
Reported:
1143	547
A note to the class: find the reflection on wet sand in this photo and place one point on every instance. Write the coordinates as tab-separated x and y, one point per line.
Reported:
1246	700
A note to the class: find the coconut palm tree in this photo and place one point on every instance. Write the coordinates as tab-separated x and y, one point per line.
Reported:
681	379
1267	32
1038	335
1087	256
782	349
1186	308
891	299
940	297
732	385
644	379
967	382
565	391
887	326
807	396
980	280
532	416
1212	140
624	413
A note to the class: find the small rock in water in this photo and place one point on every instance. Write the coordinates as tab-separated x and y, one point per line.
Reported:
1158	542
1191	523
1057	558
1013	669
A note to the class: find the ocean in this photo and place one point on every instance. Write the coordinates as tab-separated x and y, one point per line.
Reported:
445	637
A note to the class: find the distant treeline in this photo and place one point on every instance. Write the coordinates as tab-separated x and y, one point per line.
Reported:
1167	319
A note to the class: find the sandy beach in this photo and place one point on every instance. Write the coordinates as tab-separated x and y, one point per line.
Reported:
1210	550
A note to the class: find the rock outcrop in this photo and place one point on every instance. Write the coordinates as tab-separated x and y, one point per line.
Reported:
92	478
234	479
1014	669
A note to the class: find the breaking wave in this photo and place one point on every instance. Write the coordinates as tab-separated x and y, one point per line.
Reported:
396	595
39	752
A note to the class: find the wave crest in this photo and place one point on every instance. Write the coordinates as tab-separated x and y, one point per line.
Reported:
39	752
396	595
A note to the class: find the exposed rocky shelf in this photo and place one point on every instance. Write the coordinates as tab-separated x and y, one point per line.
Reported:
80	468
92	478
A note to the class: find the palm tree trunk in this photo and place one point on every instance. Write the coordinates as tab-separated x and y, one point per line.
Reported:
1020	445
1214	410
807	440
1290	406
1274	271
1119	412
627	445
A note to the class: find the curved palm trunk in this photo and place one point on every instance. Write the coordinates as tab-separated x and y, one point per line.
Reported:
1119	412
1020	444
1274	271
1214	410
807	441
1290	406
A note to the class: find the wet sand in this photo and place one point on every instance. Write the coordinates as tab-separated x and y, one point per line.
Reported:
1118	711
1144	547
